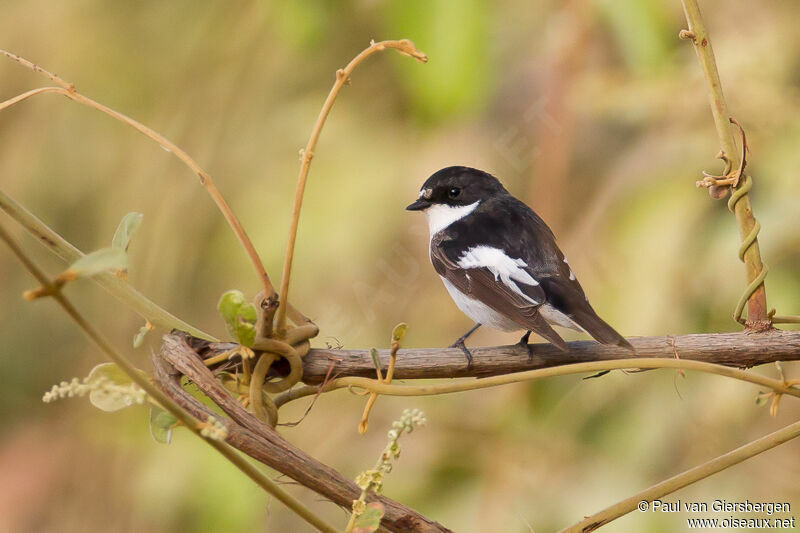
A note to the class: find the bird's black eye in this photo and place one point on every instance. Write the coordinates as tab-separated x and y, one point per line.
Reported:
453	192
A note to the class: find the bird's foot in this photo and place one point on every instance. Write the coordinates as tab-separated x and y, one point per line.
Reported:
463	347
524	343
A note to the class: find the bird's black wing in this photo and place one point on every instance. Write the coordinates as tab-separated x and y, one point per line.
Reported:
563	296
511	225
508	296
561	286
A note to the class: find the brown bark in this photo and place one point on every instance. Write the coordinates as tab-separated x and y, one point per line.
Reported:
741	350
261	442
179	356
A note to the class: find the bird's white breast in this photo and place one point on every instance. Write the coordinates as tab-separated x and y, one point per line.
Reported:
505	269
479	311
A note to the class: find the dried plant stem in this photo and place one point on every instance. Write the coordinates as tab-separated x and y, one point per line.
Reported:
376	387
67	89
262	442
117	287
404	46
590	523
363	425
739	349
785	319
162	399
757	303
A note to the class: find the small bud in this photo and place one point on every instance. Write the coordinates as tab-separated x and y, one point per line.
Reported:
359	507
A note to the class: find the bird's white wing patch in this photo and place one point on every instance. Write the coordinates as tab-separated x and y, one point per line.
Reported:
505	269
440	215
571	273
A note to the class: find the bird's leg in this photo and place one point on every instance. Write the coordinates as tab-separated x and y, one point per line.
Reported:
460	343
524	343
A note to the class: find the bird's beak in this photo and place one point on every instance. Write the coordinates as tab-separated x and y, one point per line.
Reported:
419	205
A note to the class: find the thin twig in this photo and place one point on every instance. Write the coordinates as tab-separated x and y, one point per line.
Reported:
362	426
697	33
67	89
115	286
165	401
404	46
375	386
718	464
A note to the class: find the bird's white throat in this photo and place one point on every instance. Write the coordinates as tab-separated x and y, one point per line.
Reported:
440	215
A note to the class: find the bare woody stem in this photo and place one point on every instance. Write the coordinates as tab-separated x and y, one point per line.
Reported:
117	287
185	360
757	303
404	46
718	464
740	349
67	89
432	389
259	440
162	399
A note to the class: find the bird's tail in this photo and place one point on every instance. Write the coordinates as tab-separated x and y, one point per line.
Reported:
600	330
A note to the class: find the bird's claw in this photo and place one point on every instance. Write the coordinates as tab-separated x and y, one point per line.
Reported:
463	347
524	343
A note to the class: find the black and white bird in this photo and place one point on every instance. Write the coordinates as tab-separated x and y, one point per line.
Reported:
500	263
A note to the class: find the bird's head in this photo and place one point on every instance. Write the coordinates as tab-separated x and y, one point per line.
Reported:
456	187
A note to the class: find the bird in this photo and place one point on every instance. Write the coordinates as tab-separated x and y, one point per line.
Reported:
500	263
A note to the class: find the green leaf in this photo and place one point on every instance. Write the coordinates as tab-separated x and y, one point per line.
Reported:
127	226
101	260
138	339
370	520
240	316
762	398
399	332
373	352
161	424
102	399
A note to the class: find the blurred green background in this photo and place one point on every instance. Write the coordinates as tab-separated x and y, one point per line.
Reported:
591	111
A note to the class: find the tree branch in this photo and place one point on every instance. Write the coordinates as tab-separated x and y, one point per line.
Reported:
741	350
163	400
748	226
695	352
261	442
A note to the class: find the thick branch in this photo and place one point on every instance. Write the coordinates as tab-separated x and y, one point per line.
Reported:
742	350
263	443
159	397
